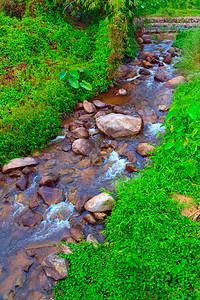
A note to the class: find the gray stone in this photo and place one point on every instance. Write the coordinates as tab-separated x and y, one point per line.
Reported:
143	149
83	146
50	195
20	163
100	203
55	267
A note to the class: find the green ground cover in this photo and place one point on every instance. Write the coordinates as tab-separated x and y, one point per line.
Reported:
151	250
176	12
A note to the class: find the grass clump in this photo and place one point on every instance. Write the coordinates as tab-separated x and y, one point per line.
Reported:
151	250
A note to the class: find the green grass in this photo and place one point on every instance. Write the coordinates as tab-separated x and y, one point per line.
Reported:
151	250
175	12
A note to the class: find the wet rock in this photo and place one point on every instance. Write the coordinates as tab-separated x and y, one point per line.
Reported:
113	144
144	72
83	146
75	125
33	204
87	175
84	163
55	267
161	64
96	159
133	73
22	183
16	173
135	63
147	114
93	131
27	267
122	149
28	218
100	215
100	203
79	105
131	168
29	170
105	145
65	249
118	110
19	163
89	107
66	147
80	132
49	180
124	70
20	282
9	295
92	239
100	113
140	40
118	125
21	199
50	195
131	157
171	50
72	196
144	149
139	79
122	92
68	239
47	287
41	252
89	218
167	58
160	77
85	118
163	108
146	64
77	232
175	81
99	104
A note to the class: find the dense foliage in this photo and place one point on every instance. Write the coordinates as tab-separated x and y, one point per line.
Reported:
152	251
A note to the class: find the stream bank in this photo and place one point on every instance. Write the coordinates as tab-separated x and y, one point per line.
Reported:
79	178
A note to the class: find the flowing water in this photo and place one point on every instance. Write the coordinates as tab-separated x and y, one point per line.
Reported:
77	177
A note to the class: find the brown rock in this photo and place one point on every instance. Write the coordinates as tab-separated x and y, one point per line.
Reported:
75	125
175	81
92	239
124	70
69	239
131	157
100	113
122	149
100	203
79	105
171	50
147	114
28	218
80	203
100	215
29	170
167	58
144	149
144	72
146	64
41	252
85	118
99	104
27	267
135	63
160	77
16	173
66	147
133	73
96	159
33	204
89	218
161	64
113	144
83	146
84	163
50	195
163	108
55	267
77	232
49	180
118	125
22	183
140	41
65	249
87	175
89	107
131	168
20	163
80	132
118	110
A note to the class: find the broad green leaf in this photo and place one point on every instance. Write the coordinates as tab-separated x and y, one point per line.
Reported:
170	114
87	71
179	146
86	85
192	112
62	74
74	83
169	145
158	134
74	74
194	148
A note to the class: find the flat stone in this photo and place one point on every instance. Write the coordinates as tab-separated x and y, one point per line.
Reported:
66	147
92	239
160	77
167	58
131	157
22	183
83	146
28	218
89	107
144	72
89	218
41	252
20	163
100	113
147	114
77	232
100	203
143	149
80	132
50	195
49	180
55	267
99	104
96	159
135	63
29	170
84	163
175	81
80	203
33	204
147	64
163	107
131	168
119	126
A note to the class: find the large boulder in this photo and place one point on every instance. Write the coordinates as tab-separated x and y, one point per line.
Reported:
175	81
55	267
83	146
144	149
147	114
28	218
20	163
50	195
118	125
100	203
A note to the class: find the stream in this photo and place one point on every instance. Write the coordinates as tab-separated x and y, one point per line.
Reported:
79	176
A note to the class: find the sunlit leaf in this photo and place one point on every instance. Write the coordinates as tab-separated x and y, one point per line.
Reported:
62	74
74	83
74	74
86	85
169	145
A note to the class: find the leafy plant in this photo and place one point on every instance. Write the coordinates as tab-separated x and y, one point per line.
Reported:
74	77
